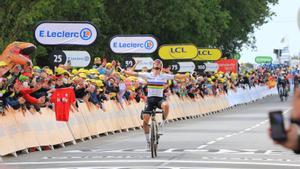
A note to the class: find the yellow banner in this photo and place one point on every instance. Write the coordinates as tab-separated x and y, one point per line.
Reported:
178	52
208	54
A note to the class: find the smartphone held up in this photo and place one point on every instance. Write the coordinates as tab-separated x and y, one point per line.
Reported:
278	132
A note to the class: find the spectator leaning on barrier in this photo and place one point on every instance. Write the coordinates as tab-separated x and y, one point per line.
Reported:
31	87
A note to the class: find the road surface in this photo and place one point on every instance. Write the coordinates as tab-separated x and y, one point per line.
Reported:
235	138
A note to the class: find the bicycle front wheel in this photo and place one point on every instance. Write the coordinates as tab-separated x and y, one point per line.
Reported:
153	140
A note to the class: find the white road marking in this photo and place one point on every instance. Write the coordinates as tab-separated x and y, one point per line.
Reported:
229	135
211	142
248	129
242	131
202	146
220	138
116	167
155	161
170	150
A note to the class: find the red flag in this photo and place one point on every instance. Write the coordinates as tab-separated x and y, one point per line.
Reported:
63	99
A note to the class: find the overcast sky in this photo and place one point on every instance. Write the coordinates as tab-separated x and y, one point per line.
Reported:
268	36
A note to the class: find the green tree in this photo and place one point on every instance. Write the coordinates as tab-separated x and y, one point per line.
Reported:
245	16
227	24
18	21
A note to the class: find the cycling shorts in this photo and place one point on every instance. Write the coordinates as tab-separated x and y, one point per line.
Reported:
153	103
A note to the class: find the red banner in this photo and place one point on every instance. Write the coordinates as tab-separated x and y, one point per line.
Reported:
228	65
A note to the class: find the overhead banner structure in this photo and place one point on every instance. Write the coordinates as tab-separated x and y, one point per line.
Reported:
76	58
178	52
228	65
263	59
208	54
65	33
122	44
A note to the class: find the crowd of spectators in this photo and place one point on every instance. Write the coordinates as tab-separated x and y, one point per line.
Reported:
29	88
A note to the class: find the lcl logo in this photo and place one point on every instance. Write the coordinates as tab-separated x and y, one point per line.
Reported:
204	52
177	50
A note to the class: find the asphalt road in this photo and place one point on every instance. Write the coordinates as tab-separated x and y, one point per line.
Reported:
235	138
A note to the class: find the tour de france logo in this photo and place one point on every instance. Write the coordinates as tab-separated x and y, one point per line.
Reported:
85	34
149	44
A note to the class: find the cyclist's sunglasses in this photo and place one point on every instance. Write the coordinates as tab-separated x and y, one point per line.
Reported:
156	68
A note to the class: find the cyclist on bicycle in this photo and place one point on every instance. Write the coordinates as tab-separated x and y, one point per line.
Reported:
156	80
283	82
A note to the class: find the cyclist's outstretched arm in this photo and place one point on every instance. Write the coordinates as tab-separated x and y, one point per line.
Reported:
130	73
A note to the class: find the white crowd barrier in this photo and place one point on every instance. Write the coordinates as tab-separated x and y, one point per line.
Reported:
22	131
242	96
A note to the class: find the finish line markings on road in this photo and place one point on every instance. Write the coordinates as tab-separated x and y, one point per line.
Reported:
128	167
237	133
140	157
174	150
155	161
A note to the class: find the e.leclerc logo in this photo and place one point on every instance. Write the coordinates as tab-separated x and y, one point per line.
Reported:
149	44
84	34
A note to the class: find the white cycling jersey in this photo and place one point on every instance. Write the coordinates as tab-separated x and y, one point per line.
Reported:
155	84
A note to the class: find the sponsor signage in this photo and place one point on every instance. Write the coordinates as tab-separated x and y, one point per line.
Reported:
129	62
263	59
122	44
186	66
178	52
228	65
174	67
65	33
208	54
237	56
143	62
200	67
211	67
298	19
57	57
78	58
75	58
